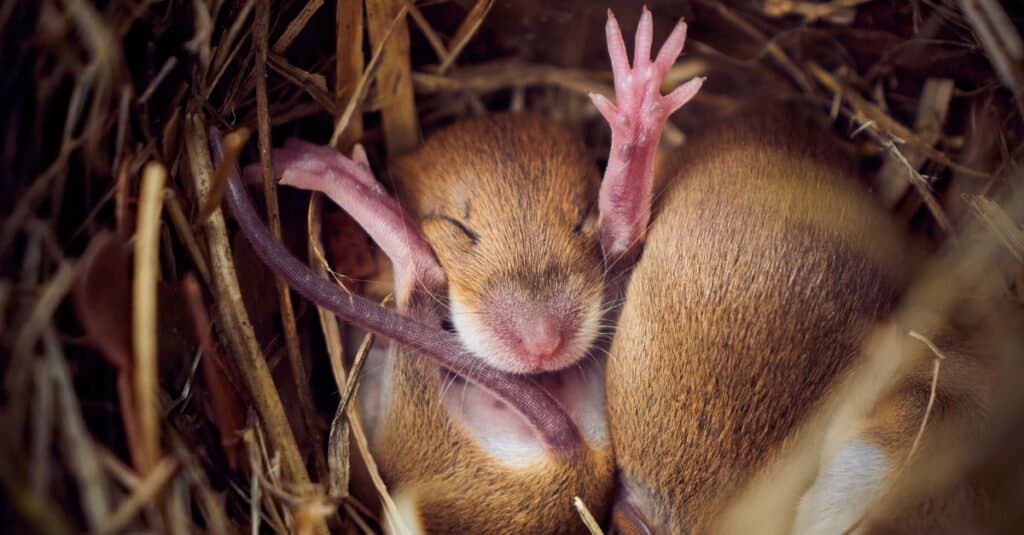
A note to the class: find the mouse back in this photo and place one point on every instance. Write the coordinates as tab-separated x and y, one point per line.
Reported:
764	265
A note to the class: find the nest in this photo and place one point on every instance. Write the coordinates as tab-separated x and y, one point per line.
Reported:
120	278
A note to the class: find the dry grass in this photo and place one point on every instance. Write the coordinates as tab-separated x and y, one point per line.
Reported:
140	340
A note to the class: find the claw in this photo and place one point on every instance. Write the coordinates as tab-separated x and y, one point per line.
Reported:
616	51
644	39
359	155
682	94
606	107
672	47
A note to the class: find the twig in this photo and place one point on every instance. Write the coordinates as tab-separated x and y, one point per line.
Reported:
931	115
313	84
338	465
144	307
76	444
120	471
228	412
241	339
939	357
1003	44
296	25
397	524
39	514
228	47
355	424
270	471
836	11
42	431
216	517
143	495
122	127
428	31
184	230
122	195
501	74
300	377
234	142
466	31
773	49
920	184
394	76
158	79
359	93
874	113
200	42
254	485
38	321
1001	224
356	371
348	67
588	519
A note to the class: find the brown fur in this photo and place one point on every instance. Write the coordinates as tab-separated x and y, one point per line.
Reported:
458	488
764	267
498	175
494	175
941	488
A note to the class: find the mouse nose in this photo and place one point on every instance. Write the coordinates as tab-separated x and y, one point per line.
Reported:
534	332
540	336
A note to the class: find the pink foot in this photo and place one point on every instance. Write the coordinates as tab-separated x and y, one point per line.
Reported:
636	118
352	186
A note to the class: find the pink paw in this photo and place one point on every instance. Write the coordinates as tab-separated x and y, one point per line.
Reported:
636	118
351	185
639	106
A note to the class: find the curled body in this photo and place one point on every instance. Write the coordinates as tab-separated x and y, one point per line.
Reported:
500	228
765	269
516	247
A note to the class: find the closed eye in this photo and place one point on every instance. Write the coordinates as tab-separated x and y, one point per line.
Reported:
474	238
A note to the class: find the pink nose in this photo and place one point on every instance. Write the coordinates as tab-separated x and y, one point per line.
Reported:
533	331
540	336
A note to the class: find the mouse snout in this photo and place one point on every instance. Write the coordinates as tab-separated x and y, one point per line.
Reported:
540	335
521	330
536	333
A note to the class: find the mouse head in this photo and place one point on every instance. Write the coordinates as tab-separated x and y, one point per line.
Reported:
508	204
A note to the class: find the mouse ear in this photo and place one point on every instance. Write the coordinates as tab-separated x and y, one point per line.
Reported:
352	186
636	118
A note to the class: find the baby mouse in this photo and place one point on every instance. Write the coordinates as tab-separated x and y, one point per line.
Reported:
418	411
764	268
495	209
503	214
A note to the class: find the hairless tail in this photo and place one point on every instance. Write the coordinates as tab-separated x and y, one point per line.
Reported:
521	393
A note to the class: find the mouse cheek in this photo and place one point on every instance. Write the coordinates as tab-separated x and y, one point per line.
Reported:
474	331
